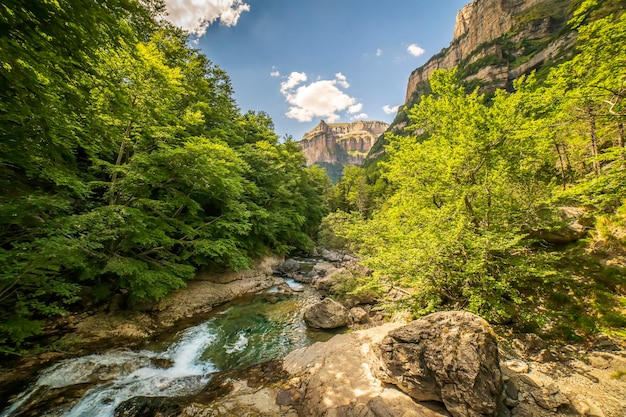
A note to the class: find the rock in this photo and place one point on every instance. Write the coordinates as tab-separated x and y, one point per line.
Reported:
571	230
290	265
331	256
327	314
543	356
323	268
534	343
149	407
604	342
531	380
451	357
530	346
325	283
334	144
358	315
585	407
303	279
517	365
549	398
511	403
338	378
511	389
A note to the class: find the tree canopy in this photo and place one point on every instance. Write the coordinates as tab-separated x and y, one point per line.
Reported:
456	222
126	164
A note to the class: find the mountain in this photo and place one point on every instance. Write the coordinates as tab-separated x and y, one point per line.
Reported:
494	43
336	145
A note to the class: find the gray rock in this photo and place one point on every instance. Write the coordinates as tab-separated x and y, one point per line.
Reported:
604	342
511	389
451	357
331	256
323	268
571	230
549	398
149	406
325	283
358	315
290	265
327	314
511	403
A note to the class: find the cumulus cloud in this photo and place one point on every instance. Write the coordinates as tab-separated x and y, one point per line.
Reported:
355	108
294	79
359	116
275	74
390	109
379	52
322	98
415	50
342	80
196	15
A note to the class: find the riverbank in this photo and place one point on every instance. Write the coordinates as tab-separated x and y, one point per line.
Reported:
585	379
88	333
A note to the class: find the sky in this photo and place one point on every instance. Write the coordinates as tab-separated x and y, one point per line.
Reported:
302	61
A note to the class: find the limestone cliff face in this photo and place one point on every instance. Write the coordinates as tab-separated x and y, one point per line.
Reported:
496	41
340	143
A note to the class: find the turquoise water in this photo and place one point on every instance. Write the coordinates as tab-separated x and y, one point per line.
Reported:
242	333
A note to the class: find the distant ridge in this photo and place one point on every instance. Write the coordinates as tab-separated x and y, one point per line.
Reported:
336	145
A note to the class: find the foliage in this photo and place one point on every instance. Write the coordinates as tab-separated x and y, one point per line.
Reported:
463	192
126	164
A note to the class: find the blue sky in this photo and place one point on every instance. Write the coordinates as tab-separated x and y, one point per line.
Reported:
302	61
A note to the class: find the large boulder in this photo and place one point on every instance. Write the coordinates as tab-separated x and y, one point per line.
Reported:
337	379
327	314
573	227
290	265
450	357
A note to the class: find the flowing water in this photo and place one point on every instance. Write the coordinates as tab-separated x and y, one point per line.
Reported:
241	334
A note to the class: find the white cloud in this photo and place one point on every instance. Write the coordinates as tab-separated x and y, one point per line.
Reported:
360	116
196	15
294	79
415	50
390	109
275	73
355	108
379	52
321	98
341	79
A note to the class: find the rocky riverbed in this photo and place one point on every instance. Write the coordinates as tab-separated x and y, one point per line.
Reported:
448	364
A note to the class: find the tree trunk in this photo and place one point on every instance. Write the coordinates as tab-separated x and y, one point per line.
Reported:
594	142
113	199
562	162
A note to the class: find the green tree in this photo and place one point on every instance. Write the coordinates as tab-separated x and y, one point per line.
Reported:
465	193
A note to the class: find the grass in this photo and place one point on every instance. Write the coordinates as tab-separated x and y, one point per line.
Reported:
618	374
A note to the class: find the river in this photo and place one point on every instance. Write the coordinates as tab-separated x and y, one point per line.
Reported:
245	332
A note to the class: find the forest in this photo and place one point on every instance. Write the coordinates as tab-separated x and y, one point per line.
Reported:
458	210
126	166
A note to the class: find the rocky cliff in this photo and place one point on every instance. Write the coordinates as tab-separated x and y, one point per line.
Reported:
496	41
336	145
